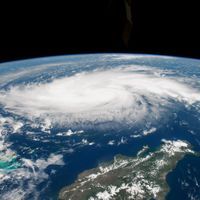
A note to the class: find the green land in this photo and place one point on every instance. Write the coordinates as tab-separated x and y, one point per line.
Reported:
140	177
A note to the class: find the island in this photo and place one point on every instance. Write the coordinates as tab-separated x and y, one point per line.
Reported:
140	177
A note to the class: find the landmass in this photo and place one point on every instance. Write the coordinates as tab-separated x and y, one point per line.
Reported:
140	177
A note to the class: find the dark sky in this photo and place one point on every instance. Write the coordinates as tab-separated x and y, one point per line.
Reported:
51	28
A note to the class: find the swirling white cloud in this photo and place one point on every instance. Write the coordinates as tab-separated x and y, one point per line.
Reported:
113	95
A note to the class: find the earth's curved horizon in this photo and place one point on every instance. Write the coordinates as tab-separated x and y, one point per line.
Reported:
100	126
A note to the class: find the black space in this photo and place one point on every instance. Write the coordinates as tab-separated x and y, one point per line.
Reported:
34	29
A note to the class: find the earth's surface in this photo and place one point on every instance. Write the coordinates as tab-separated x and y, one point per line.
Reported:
101	126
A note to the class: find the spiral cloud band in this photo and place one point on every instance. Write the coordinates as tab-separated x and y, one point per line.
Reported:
123	94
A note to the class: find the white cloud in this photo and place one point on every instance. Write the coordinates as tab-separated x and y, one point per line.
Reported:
149	131
136	56
114	95
27	177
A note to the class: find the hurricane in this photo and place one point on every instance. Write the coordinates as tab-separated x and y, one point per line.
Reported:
126	94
